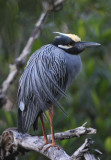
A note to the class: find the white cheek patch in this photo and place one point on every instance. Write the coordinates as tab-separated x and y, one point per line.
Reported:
22	106
64	47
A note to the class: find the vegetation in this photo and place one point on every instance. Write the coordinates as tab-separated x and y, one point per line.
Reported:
90	93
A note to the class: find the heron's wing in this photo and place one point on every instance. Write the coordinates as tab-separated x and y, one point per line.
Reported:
42	84
53	75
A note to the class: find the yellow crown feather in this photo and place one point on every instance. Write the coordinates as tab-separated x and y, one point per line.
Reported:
72	36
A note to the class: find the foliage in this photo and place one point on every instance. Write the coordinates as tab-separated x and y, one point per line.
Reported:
90	93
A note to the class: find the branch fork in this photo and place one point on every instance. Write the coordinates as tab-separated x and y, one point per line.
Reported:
13	143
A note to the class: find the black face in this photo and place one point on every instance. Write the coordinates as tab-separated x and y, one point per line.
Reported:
71	47
63	40
76	48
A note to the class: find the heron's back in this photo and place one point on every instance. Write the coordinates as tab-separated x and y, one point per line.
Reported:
42	83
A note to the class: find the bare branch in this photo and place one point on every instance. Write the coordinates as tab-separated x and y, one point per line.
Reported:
77	132
13	143
81	150
21	60
88	156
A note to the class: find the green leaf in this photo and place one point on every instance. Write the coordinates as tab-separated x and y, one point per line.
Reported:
101	125
104	86
37	44
63	143
81	29
106	36
95	99
108	144
9	118
90	67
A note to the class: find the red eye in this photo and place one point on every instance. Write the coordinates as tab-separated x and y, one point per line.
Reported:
71	43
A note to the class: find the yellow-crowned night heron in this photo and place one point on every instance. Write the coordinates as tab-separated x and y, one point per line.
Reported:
49	72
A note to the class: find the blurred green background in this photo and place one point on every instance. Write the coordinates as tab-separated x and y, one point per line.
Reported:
90	93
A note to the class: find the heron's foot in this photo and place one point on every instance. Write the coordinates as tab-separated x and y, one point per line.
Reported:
53	145
44	145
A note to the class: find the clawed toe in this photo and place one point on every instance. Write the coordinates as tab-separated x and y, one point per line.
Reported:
44	145
53	145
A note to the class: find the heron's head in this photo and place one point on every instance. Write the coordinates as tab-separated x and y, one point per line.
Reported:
71	43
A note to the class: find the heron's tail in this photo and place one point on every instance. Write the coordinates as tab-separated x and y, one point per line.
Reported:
27	116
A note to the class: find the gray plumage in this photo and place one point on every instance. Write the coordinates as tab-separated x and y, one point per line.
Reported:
49	72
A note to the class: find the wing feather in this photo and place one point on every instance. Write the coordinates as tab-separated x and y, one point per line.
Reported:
42	83
48	74
47	90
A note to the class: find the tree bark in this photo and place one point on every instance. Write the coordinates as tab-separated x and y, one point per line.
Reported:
13	143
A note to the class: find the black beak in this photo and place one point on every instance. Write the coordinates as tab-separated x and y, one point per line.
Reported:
80	46
90	44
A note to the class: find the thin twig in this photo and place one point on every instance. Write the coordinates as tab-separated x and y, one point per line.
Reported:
21	60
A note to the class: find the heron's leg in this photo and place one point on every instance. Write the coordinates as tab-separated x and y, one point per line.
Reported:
51	124
44	131
52	132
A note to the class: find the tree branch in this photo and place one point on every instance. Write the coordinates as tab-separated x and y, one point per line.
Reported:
81	150
21	60
13	143
77	132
